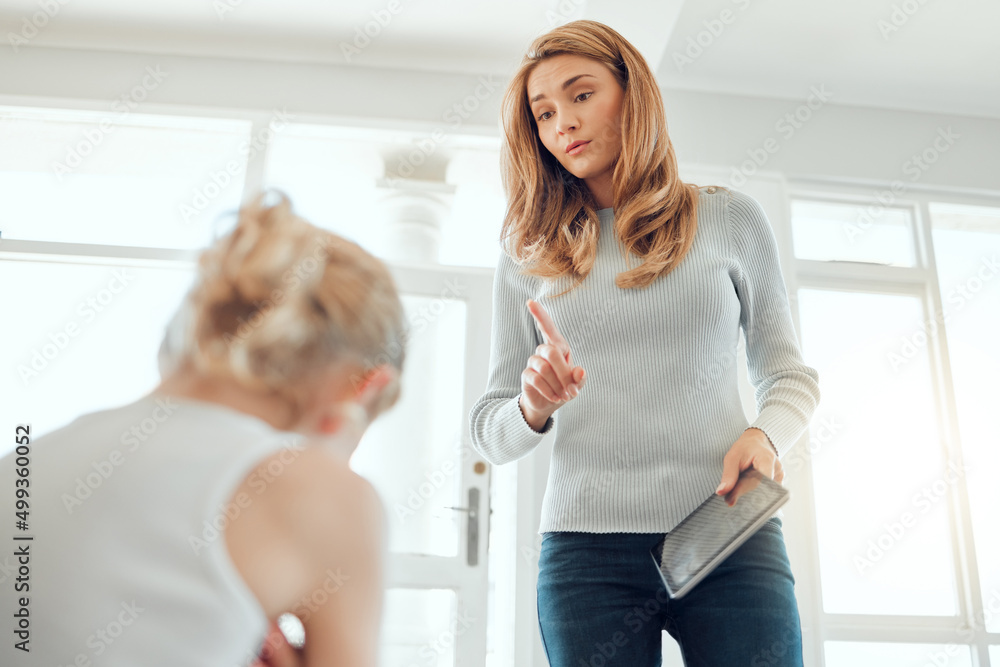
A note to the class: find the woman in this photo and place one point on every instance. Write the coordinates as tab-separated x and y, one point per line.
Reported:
176	529
592	184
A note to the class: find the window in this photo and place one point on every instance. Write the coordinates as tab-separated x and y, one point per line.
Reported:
882	483
828	231
103	220
898	310
97	246
139	180
967	249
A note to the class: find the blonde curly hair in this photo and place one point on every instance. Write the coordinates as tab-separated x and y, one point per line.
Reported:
278	302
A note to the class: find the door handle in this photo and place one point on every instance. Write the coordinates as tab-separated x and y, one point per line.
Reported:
472	526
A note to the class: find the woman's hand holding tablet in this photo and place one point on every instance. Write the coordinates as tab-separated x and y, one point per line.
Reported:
703	539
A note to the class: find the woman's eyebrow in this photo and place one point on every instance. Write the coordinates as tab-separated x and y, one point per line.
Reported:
569	82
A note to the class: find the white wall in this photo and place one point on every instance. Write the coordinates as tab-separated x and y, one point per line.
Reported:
707	129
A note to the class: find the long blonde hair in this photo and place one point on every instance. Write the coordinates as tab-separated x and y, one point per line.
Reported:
278	302
551	224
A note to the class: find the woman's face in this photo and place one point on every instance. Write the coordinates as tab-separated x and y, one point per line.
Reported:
577	103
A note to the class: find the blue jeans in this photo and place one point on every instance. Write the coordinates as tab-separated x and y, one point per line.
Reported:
602	603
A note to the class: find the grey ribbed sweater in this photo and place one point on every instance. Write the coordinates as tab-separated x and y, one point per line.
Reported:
642	445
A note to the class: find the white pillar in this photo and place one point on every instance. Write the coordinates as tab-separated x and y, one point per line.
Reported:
412	213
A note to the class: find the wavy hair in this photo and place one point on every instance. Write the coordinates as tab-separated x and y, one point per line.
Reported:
551	225
277	303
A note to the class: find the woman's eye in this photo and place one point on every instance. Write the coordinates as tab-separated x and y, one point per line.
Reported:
545	115
582	95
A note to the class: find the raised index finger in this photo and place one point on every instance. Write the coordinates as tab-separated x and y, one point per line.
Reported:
548	327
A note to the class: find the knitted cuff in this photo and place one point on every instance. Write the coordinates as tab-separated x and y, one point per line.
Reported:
769	441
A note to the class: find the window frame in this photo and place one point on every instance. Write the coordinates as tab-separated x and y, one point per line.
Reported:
922	281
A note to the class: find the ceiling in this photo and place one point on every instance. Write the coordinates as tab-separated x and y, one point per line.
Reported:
940	57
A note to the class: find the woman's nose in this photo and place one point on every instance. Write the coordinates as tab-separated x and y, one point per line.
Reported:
567	123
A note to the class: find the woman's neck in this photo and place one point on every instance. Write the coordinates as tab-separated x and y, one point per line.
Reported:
602	189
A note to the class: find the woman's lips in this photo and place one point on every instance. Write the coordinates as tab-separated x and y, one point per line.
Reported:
576	150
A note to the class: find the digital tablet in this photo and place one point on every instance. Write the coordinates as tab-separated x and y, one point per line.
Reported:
703	539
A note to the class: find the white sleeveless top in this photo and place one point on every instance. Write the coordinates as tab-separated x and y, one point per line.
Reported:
127	565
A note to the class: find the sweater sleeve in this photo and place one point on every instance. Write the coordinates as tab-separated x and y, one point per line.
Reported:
786	390
499	430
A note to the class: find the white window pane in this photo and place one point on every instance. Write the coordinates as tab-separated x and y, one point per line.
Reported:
858	654
330	178
420	627
119	178
967	251
118	315
881	485
413	454
471	233
859	233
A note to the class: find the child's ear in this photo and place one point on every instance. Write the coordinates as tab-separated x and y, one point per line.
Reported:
362	400
377	380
